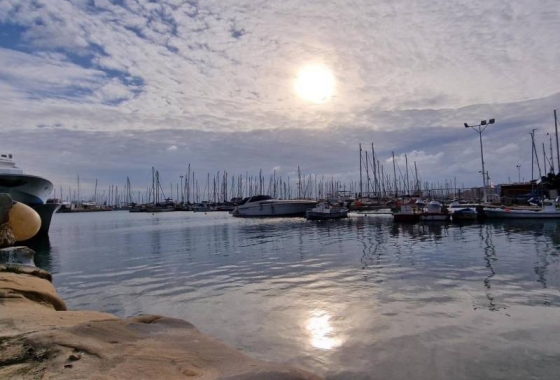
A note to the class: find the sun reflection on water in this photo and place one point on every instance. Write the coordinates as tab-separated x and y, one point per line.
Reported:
321	332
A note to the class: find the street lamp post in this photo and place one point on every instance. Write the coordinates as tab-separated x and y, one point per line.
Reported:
479	128
518	173
182	191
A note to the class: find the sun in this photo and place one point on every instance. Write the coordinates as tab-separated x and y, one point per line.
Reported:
315	83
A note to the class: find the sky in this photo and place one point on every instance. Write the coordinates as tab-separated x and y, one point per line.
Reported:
106	89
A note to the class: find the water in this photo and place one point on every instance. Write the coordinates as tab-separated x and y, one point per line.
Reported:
361	298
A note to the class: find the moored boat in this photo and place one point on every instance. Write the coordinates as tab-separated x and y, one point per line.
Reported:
266	206
407	213
324	211
434	213
28	189
462	212
548	210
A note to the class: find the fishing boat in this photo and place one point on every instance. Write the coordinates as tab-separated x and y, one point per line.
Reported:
435	213
28	189
324	211
548	210
266	206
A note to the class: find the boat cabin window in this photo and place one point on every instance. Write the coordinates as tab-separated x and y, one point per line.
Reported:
258	198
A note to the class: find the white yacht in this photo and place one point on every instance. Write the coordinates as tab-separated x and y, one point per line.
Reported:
266	206
28	189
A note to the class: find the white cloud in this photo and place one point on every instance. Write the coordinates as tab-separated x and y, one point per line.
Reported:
408	67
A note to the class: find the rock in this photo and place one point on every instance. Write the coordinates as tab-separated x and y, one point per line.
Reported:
5	206
17	255
7	237
24	221
26	269
74	357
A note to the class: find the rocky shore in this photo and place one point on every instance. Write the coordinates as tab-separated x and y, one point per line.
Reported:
40	339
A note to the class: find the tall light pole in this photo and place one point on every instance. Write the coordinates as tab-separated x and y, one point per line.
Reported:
182	191
518	173
479	128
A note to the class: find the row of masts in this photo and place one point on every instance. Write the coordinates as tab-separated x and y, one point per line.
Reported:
223	187
379	184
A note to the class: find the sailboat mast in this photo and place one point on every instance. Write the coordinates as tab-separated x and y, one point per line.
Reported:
417	184
95	192
556	130
361	170
394	173
407	183
367	175
374	170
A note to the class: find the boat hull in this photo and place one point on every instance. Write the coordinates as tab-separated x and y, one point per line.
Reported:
464	215
273	208
520	214
406	217
28	189
32	191
46	212
318	215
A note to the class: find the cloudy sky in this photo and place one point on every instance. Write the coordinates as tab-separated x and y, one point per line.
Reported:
106	89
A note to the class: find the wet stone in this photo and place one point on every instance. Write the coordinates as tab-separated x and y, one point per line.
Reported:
17	255
7	238
6	203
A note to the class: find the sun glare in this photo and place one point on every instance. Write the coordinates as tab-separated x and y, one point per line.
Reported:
315	83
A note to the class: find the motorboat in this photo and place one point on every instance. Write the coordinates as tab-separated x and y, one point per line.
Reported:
266	206
205	206
548	210
462	212
434	212
407	212
28	189
324	210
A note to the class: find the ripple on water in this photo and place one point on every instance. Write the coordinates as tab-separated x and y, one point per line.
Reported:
361	298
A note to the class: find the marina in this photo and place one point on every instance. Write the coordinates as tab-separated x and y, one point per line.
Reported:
355	298
279	190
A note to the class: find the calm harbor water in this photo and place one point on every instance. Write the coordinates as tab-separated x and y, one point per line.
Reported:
361	298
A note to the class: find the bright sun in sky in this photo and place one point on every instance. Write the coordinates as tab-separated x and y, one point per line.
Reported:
315	83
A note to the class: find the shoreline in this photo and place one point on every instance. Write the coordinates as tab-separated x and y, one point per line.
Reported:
40	338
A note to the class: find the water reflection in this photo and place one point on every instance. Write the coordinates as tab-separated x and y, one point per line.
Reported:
489	256
321	333
367	295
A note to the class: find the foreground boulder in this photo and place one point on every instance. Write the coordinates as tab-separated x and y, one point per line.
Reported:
40	339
